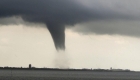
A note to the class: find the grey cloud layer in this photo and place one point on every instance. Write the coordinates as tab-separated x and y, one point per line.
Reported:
57	14
60	11
111	27
127	24
66	12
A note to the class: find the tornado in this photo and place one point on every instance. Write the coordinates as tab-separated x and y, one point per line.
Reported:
60	14
57	32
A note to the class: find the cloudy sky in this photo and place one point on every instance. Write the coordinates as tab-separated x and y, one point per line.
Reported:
99	33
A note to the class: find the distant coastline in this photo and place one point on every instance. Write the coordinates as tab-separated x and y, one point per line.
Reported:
57	69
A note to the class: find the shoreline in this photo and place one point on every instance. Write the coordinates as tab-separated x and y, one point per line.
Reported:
57	69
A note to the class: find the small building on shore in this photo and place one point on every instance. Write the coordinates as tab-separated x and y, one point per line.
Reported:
30	66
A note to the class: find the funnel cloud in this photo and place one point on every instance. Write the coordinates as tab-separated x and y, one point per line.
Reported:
58	34
58	14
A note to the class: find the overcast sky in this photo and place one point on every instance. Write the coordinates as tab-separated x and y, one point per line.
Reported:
102	34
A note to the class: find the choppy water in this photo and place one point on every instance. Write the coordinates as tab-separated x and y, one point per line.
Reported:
66	75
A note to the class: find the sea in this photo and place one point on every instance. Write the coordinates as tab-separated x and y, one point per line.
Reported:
66	75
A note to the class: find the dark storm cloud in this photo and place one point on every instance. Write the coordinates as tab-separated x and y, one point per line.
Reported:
57	14
124	19
57	11
54	13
